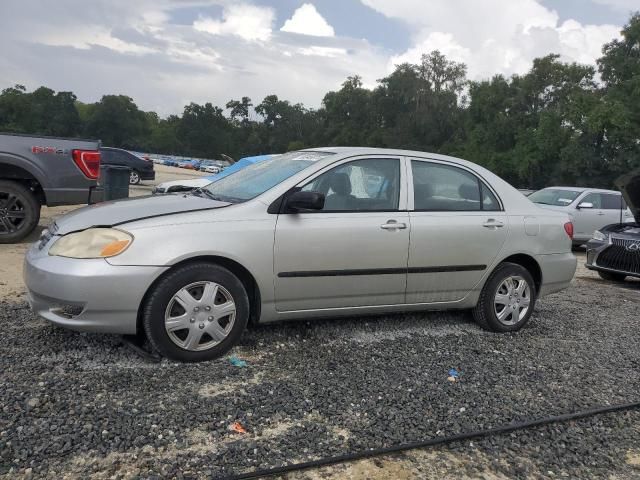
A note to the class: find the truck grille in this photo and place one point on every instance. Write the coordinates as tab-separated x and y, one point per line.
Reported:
621	256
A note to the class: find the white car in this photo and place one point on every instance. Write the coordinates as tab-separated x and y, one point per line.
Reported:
589	208
212	169
175	186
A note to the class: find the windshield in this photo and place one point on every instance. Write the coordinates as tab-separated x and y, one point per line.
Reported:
259	177
554	196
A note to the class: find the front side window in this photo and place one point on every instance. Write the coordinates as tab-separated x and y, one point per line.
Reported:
438	187
257	178
594	198
361	185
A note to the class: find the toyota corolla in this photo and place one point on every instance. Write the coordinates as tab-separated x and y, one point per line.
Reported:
314	233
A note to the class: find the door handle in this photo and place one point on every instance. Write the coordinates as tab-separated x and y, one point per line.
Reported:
393	225
491	223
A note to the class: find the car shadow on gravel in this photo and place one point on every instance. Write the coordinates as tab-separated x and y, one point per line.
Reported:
81	404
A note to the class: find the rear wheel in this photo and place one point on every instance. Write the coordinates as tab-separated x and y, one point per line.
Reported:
19	211
612	277
507	299
134	178
196	313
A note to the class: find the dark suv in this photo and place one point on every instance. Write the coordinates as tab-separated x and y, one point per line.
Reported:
141	169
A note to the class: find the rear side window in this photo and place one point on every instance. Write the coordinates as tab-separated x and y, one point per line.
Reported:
611	202
438	187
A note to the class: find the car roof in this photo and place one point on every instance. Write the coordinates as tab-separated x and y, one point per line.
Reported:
583	189
354	151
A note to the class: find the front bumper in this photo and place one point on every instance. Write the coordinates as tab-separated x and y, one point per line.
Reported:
86	295
608	257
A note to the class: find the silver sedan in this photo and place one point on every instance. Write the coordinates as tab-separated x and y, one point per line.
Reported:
314	233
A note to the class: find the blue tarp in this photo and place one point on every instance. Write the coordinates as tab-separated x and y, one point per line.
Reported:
239	165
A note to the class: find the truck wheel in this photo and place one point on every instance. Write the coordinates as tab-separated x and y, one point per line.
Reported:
19	211
196	313
507	299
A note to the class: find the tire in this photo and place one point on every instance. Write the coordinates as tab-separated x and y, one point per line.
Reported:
134	177
19	211
207	331
611	276
488	312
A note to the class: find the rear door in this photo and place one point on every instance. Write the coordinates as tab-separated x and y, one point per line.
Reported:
458	228
352	253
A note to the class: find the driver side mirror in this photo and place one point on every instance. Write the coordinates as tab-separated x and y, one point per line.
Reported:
585	205
304	201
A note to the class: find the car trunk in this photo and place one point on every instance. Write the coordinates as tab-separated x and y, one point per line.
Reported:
629	185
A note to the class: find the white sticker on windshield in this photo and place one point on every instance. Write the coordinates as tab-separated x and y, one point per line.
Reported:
565	200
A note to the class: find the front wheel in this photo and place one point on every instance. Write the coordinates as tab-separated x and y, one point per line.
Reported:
612	277
196	313
134	178
507	299
19	211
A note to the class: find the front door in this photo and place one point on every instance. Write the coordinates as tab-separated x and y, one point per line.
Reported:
458	228
588	220
353	252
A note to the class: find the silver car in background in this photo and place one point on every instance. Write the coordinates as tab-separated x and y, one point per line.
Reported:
314	233
589	208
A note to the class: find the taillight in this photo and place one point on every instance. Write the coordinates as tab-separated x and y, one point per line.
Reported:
568	227
88	161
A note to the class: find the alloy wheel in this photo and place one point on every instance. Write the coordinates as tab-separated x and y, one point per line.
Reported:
12	213
200	316
134	178
512	300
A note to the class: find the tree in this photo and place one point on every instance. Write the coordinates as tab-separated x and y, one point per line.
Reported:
117	121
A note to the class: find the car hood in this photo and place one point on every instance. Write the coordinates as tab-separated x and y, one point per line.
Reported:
117	212
629	185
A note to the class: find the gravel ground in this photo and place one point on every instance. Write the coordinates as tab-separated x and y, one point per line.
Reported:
83	406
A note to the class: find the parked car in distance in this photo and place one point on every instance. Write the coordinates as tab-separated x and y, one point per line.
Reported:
189	164
313	233
614	250
209	163
590	208
139	169
212	169
37	171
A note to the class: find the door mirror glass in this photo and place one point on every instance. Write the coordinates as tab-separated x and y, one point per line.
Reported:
305	201
585	205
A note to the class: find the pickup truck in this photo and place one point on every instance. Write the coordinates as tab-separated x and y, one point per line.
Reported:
36	171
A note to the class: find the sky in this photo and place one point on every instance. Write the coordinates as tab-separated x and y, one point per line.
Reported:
168	53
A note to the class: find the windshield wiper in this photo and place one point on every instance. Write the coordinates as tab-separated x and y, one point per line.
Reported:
220	198
543	203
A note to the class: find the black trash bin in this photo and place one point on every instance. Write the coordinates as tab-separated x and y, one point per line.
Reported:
114	180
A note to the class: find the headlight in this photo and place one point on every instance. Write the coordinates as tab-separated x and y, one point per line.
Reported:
92	243
598	235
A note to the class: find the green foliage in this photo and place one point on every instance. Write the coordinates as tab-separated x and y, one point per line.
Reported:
558	123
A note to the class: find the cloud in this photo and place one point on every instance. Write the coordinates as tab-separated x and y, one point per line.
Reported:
307	21
493	36
133	48
246	21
